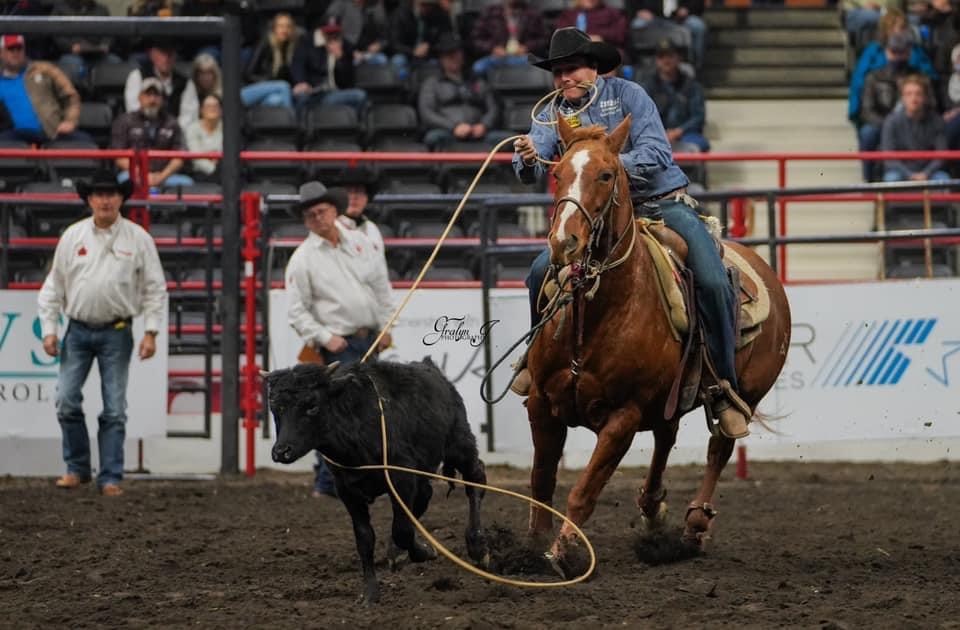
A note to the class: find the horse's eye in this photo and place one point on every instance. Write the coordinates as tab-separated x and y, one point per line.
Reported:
606	176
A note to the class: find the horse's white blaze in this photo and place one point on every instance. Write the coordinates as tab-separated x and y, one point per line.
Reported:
579	160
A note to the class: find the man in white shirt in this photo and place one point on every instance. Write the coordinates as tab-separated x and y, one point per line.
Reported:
359	184
105	271
338	289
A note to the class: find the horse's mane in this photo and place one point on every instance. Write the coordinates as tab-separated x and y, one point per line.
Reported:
593	132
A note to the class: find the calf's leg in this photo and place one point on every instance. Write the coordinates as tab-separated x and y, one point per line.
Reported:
366	540
413	495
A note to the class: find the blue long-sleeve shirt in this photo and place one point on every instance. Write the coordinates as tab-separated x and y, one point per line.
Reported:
872	58
646	154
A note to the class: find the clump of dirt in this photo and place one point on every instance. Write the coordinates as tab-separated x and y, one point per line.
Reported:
663	546
511	556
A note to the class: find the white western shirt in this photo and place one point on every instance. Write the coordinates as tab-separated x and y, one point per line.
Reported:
101	275
336	290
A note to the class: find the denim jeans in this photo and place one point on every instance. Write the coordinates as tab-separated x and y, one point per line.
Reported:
698	39
273	93
34	137
483	65
357	346
900	175
177	179
715	295
868	137
112	349
353	97
437	139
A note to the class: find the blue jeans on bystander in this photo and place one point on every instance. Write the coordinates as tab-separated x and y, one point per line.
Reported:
112	348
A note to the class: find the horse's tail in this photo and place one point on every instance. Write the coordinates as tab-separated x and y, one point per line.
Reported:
764	420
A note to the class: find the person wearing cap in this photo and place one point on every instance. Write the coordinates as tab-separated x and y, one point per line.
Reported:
667	16
505	32
337	288
179	92
38	103
452	108
679	100
881	93
322	70
105	272
657	187
151	127
874	57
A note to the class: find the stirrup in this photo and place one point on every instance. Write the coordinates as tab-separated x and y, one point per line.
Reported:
521	382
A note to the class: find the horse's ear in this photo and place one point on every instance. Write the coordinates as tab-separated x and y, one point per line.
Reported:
618	137
565	130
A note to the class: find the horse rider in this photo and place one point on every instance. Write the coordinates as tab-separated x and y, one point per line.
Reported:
657	188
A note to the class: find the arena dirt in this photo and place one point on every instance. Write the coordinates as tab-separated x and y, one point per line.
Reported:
798	545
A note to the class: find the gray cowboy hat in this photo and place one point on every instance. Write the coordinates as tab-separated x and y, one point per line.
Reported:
313	193
104	180
572	42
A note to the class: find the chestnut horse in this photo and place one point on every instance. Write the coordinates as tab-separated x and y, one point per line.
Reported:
611	366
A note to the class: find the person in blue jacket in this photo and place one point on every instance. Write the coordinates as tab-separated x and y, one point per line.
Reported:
657	185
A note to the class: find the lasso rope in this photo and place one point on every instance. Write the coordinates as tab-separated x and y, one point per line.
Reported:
386	466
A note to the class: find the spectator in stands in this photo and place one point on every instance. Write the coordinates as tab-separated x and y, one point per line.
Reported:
373	43
207	77
79	54
505	33
914	127
880	95
950	98
600	22
268	74
414	31
322	70
105	272
453	108
38	103
874	57
941	24
360	186
151	8
206	134
679	100
151	127
685	14
338	289
860	17
179	92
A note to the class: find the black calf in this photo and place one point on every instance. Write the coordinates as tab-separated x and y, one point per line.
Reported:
335	411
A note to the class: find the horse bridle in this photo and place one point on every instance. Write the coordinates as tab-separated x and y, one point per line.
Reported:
587	267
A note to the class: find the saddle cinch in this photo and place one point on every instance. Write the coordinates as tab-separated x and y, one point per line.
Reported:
676	298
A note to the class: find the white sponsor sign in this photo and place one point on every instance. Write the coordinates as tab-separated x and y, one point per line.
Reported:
28	379
868	361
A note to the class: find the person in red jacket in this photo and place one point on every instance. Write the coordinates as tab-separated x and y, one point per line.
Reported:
600	22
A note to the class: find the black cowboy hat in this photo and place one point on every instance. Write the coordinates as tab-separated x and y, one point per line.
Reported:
104	179
363	175
572	42
313	193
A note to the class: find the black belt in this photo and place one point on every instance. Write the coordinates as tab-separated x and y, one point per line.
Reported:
118	324
672	193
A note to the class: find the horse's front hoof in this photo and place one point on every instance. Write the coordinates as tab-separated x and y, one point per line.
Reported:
655	522
570	562
478	549
698	526
422	552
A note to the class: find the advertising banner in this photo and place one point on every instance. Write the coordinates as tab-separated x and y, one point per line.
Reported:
28	379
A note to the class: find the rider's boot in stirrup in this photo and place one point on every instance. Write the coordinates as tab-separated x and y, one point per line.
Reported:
732	413
521	379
